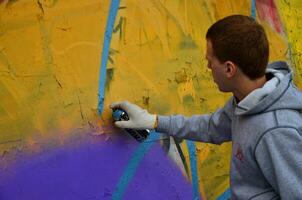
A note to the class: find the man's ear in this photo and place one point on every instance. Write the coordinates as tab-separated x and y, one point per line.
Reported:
230	69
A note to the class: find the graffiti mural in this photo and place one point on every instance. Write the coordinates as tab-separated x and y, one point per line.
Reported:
63	62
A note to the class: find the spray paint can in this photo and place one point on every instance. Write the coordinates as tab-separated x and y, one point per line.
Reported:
121	115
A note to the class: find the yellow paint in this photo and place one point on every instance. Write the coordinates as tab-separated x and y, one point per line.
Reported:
49	66
291	16
50	61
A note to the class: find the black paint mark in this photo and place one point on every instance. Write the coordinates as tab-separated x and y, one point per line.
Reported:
109	77
120	27
181	154
146	99
111	53
64	29
40	6
48	3
57	81
81	110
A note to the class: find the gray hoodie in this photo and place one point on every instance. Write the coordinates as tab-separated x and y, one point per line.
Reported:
266	133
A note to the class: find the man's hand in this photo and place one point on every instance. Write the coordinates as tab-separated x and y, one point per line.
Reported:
138	117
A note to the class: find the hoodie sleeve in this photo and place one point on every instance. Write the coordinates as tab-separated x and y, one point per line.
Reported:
214	128
279	155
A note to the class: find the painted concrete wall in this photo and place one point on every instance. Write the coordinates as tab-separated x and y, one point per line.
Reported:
53	142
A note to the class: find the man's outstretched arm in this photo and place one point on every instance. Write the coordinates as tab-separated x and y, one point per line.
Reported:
214	128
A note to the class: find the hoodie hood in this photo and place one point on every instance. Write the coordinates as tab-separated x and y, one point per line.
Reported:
277	93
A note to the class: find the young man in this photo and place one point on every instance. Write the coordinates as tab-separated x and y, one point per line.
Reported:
263	119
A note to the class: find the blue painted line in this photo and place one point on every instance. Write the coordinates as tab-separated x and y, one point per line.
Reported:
107	38
253	9
193	166
133	164
226	195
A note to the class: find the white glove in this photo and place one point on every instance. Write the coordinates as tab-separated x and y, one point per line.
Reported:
138	117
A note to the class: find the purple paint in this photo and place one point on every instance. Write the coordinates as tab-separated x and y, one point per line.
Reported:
91	169
157	177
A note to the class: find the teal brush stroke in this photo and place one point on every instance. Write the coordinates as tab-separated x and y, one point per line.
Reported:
226	195
253	9
193	166
114	6
131	167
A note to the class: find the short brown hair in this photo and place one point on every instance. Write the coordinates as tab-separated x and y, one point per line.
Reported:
242	40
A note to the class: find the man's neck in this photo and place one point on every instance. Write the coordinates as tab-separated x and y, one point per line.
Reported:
246	86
